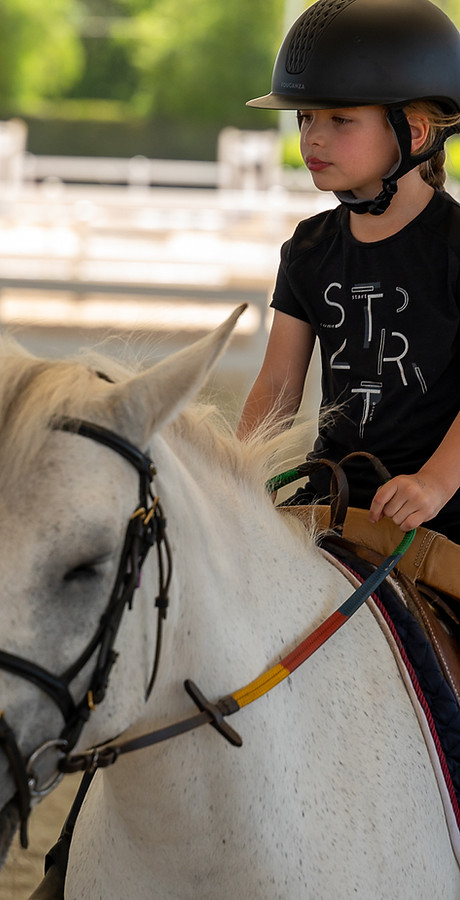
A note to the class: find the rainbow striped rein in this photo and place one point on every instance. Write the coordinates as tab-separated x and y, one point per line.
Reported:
216	713
314	641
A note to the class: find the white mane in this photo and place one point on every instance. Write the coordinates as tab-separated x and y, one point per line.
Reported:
35	392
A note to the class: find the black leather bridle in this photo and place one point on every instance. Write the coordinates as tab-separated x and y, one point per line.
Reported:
146	528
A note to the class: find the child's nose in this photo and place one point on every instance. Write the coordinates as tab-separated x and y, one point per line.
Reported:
313	134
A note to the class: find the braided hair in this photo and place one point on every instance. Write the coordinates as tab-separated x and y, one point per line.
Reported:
432	171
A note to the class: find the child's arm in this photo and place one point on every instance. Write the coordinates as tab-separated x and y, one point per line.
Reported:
412	499
279	385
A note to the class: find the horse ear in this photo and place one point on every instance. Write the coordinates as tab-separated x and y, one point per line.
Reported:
150	400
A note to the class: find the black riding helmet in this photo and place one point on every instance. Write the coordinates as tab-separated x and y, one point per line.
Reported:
371	52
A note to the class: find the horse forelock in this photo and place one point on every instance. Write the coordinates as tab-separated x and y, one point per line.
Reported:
33	393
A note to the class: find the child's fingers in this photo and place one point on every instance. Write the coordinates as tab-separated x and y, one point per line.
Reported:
383	495
406	500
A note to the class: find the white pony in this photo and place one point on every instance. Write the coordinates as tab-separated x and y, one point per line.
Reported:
332	794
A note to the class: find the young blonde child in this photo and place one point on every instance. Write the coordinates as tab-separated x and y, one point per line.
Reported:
375	280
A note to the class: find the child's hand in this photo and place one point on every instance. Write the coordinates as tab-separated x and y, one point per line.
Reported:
407	499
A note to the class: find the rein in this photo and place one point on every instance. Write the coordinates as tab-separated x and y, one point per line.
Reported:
215	713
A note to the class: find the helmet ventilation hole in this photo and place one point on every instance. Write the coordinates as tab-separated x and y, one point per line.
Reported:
309	28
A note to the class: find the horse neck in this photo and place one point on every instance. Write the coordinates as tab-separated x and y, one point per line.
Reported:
241	596
236	564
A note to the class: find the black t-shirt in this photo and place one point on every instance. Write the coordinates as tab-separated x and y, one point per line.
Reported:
387	315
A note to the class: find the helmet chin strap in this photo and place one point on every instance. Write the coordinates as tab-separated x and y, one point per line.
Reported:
375	207
401	128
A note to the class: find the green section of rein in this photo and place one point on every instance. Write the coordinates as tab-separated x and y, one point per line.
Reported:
279	481
405	543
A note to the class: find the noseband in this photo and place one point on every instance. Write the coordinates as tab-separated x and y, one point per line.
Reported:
146	528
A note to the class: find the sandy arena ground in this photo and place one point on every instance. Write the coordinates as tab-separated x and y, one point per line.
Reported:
24	868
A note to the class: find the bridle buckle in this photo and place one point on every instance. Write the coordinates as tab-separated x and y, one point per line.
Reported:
37	790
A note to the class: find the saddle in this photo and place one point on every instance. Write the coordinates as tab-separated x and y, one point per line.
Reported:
428	573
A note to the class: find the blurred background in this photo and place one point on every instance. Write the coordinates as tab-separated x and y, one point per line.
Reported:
139	196
141	199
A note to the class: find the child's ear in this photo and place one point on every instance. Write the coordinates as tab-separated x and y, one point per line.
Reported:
419	127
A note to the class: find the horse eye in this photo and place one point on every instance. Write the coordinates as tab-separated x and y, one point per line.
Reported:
83	572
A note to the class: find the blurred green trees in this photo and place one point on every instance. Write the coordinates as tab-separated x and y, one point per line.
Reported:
202	60
40	52
195	58
135	76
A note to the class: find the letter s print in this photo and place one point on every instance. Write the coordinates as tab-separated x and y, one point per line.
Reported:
335	303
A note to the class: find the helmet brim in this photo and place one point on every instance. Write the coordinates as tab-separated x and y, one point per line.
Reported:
273	101
300	101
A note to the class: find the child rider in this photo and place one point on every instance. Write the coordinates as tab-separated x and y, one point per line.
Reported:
377	279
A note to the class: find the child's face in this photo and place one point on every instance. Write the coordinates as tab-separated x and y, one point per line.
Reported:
348	149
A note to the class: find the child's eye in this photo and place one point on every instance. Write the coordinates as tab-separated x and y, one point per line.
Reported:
302	117
340	120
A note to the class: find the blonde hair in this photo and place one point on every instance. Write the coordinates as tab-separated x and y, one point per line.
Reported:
433	170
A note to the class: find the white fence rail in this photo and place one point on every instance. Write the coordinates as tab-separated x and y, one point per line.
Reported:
147	244
135	171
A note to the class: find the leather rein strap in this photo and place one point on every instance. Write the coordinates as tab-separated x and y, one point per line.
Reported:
146	528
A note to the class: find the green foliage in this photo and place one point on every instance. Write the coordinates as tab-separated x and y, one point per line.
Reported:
291	150
453	157
192	60
40	55
107	73
203	60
